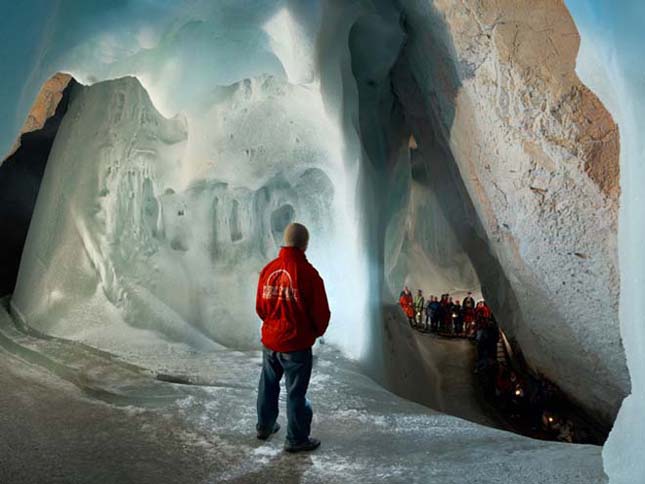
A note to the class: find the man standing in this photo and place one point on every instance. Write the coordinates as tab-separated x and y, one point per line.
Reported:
407	304
468	311
428	312
469	302
458	318
292	303
435	307
419	304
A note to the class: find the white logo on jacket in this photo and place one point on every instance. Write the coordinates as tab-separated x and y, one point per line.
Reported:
279	285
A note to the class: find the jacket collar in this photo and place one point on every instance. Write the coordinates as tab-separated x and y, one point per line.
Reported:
291	252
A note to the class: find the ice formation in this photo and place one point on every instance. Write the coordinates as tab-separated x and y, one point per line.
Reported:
196	201
170	224
611	63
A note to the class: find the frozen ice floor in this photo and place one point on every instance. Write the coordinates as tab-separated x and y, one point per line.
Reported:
72	414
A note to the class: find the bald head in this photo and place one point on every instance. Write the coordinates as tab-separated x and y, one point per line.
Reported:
296	235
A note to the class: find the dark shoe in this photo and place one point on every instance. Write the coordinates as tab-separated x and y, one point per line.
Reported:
263	434
310	444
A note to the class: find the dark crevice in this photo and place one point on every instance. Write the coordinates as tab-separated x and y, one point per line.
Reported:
20	178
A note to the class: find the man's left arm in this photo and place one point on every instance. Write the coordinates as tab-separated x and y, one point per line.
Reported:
318	305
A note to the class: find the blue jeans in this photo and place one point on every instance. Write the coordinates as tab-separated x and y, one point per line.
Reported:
296	366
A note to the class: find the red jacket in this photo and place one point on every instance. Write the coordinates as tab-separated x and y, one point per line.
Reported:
292	303
407	304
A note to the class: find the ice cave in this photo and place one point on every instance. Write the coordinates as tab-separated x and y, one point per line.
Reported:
154	151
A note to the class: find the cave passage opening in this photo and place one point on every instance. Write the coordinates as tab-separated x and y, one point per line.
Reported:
434	239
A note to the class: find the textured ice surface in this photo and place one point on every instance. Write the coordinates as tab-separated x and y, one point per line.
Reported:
422	248
163	227
179	49
161	205
166	206
611	63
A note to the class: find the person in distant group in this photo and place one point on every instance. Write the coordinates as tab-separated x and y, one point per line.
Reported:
458	321
428	313
407	304
468	313
446	314
439	312
292	304
419	304
468	302
487	309
468	316
435	316
482	317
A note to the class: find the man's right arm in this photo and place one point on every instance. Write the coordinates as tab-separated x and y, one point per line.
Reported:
258	297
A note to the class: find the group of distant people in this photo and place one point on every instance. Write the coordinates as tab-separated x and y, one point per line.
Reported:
522	397
445	315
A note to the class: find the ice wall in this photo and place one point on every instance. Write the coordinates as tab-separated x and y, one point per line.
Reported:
422	248
611	63
168	200
177	256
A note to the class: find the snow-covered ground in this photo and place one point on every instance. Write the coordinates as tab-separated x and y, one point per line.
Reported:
66	418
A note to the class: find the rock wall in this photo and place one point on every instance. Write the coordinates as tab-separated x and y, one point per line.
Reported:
538	155
44	107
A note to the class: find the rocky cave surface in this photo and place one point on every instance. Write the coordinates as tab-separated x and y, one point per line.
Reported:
446	145
537	155
43	108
